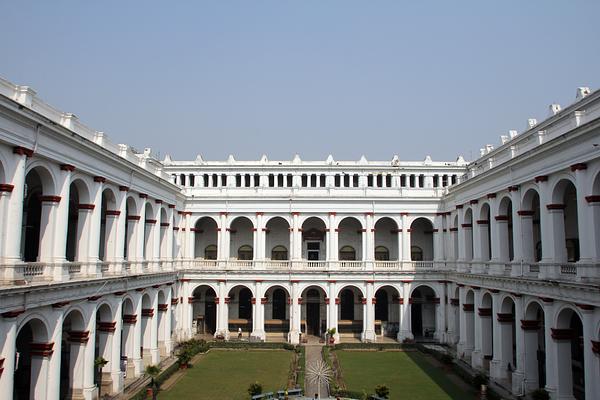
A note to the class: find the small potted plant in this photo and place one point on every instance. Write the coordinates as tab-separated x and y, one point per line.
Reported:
382	391
152	389
255	389
183	358
99	363
330	336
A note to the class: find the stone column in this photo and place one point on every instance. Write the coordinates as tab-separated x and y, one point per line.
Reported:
14	218
334	301
551	349
405	331
89	387
115	355
62	218
461	235
368	334
258	309
497	367
225	237
584	217
8	337
438	238
515	195
47	227
406	256
137	337
295	315
332	236
369	238
518	375
590	359
95	220
477	354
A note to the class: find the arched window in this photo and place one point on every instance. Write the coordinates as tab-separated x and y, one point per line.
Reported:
416	253
210	252
347	253
245	253
279	253
382	253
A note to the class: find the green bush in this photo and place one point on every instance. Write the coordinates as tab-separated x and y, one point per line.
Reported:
540	394
254	389
446	359
479	379
382	391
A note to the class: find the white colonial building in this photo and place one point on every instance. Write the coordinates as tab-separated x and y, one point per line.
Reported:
107	251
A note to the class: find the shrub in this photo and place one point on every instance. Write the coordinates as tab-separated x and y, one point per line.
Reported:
254	389
382	391
479	379
288	346
540	394
446	359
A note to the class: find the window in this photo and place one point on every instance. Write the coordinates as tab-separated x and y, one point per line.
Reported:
379	180
370	180
192	180
182	179
245	253
313	250
256	180
403	180
436	181
289	180
247	180
304	180
280	180
205	180
421	181
346	180
322	180
337	180
347	253
279	253
313	180
388	181
210	252
416	253
238	180
271	180
382	253
355	180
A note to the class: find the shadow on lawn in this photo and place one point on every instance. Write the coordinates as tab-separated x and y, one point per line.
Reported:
442	375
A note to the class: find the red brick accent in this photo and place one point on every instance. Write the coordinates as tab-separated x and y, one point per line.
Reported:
129	319
459	206
6	187
150	221
484	312
585	307
116	213
143	196
466	225
93	298
595	347
468	307
338	300
482	222
22	151
578	167
541	178
332	213
453	229
123	188
148	312
12	314
505	317
158	201
513	188
295	213
190	300
530	325
119	293
403	214
454	302
99	179
79	336
491	195
174	301
369	213
525	213
41	349
263	300
171	206
253	300
86	206
474	201
50	199
555	206
501	217
133	217
259	213
300	300
165	224
60	304
593	199
326	300
67	167
109	326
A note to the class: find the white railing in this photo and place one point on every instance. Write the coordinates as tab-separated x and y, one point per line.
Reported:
24	273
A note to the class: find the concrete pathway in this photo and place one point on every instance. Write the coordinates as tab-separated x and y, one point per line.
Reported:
313	354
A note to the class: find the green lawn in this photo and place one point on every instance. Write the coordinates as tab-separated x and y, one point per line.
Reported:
408	375
227	375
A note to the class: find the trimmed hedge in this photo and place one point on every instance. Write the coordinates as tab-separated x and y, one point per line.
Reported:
374	346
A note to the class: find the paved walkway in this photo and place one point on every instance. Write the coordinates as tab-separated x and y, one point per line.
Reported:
313	354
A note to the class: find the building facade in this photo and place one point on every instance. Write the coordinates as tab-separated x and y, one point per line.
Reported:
107	251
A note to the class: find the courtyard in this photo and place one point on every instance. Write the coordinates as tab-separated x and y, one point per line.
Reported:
227	374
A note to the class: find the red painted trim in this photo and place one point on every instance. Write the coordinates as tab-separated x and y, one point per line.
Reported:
67	167
578	167
123	189
171	206
501	217
466	225
12	314
459	206
593	199
513	188
541	178
6	187
50	199
99	179
116	213
525	213
41	349
555	206
86	206
491	195
133	217
22	151
143	196
474	201
79	336
482	222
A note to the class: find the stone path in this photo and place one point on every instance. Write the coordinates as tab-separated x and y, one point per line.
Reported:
313	353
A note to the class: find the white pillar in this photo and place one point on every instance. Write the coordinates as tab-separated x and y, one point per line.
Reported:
89	387
332	315
295	315
115	356
95	220
405	328
369	313
14	218
406	256
332	245
137	337
8	341
518	375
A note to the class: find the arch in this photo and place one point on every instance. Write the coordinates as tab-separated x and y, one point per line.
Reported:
484	226
205	238
314	239
245	252
346	286
79	183
386	237
241	236
33	329
467	227
530	225
108	227
423	304
387	311
486	320
104	311
240	310
45	176
131	221
568	336
277	238
149	225
313	309
276	311
350	235
535	345
72	354
564	195
421	236
204	309
39	182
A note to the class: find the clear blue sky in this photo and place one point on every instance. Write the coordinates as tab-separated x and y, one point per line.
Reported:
311	77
